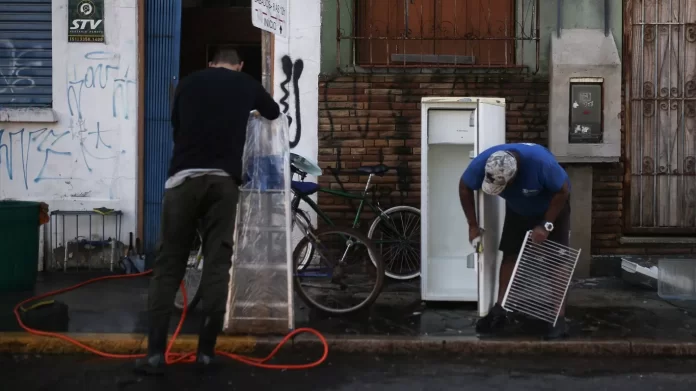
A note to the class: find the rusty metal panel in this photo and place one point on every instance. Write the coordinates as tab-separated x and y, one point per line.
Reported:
394	33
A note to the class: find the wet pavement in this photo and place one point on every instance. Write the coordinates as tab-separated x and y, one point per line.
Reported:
597	308
345	372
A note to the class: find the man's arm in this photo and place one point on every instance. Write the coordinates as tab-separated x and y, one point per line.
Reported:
265	105
471	180
468	201
555	179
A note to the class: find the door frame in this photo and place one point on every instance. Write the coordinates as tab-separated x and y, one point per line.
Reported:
142	64
142	68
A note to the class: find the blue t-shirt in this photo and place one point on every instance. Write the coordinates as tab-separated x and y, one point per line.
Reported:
538	177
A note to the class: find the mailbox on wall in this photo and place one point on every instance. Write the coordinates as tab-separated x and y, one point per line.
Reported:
586	109
584	97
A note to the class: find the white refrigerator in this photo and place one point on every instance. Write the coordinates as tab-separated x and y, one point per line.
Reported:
454	131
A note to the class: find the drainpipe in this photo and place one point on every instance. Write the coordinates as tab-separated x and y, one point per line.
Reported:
559	17
607	18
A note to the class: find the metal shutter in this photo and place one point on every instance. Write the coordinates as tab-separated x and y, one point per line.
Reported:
162	72
25	53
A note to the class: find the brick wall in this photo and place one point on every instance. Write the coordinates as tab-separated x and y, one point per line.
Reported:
368	119
372	119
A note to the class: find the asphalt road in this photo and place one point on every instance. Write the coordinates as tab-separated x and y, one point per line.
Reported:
340	373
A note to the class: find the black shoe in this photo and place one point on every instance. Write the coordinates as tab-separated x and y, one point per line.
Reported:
494	321
151	365
559	331
207	364
155	361
207	338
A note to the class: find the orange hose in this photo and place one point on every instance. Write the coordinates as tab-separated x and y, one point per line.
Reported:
172	358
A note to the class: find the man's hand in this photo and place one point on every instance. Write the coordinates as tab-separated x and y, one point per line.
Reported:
539	234
256	113
474	232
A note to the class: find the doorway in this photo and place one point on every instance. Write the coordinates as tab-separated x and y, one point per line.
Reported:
180	37
208	25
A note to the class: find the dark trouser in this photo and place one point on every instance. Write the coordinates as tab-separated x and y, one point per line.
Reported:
210	201
516	226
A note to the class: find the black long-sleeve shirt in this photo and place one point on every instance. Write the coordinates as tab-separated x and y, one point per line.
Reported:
209	114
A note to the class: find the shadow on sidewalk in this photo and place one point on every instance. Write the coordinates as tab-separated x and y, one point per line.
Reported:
597	309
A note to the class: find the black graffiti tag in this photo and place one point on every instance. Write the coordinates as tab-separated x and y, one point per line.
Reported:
293	71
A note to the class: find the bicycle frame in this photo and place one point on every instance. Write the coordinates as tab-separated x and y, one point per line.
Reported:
362	197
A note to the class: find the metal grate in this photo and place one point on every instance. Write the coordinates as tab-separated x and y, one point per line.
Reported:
541	278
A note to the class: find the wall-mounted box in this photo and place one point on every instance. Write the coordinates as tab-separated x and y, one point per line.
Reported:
586	120
585	97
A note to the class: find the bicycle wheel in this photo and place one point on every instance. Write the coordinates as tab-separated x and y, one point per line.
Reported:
192	277
397	236
304	223
341	257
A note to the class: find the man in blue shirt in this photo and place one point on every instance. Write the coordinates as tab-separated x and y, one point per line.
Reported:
536	190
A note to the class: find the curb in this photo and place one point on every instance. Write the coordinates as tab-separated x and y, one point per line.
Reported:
112	343
474	346
23	343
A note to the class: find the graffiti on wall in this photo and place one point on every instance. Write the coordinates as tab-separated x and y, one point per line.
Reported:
18	68
293	72
28	154
36	155
101	71
99	97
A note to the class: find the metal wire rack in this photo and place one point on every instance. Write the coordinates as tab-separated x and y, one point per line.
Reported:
540	280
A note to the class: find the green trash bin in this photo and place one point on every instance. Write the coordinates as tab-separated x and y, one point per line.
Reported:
19	245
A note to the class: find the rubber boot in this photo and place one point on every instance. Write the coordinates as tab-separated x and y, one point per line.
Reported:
493	322
155	361
211	327
559	331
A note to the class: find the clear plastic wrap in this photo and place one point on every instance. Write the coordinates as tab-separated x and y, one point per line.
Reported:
260	293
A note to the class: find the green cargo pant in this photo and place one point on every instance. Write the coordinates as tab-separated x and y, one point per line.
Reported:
210	201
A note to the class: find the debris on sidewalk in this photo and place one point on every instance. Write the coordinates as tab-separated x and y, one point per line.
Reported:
641	273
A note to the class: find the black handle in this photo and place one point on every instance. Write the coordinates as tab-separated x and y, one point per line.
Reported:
130	241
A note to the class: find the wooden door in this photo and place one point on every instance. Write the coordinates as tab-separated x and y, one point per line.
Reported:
661	120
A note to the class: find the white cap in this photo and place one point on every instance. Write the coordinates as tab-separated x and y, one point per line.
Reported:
501	167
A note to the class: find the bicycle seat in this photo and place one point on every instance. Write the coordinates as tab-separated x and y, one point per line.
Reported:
304	188
379	170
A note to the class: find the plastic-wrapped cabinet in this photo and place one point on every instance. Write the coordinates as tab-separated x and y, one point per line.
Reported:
260	294
454	131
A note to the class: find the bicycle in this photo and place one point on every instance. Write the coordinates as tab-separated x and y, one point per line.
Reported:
396	242
332	259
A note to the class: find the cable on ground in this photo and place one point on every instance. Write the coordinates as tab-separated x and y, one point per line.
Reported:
172	358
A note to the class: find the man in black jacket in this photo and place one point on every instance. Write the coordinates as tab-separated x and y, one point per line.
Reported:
210	112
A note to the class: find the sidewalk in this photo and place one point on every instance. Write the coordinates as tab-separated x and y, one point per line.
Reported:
606	317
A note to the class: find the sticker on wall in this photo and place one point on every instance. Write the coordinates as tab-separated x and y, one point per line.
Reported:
86	21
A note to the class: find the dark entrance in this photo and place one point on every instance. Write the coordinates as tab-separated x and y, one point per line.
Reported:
207	25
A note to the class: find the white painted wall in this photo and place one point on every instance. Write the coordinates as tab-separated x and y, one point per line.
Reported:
302	49
88	158
298	58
